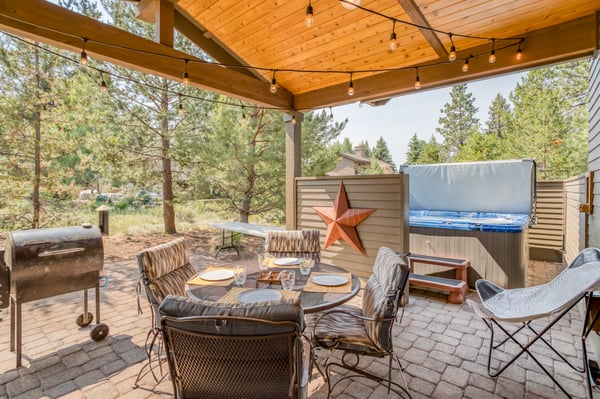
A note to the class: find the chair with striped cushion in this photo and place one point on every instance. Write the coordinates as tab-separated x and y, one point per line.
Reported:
164	270
366	331
300	243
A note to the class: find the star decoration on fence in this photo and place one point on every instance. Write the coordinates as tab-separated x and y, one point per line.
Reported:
342	220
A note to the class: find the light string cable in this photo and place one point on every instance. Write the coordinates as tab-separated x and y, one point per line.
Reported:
103	72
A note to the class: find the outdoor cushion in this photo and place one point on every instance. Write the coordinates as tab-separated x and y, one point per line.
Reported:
283	310
164	258
302	243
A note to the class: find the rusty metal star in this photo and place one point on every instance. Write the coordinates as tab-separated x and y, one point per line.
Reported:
342	220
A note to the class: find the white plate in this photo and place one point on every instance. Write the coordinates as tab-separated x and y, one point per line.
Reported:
216	274
259	295
286	261
329	279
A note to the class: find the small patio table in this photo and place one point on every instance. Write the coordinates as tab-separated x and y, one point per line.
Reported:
311	301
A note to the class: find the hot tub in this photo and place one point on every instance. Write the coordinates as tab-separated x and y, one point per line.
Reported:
492	208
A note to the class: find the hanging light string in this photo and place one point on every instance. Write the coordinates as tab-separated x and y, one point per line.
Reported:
512	42
103	72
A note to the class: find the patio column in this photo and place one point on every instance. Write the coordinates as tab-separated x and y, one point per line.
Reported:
293	151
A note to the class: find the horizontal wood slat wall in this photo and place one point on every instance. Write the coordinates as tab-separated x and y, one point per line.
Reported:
387	226
574	220
548	233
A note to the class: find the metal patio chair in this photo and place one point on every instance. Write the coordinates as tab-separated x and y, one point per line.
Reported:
546	304
366	331
164	269
300	243
223	351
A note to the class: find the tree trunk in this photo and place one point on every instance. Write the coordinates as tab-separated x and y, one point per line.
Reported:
244	210
167	176
37	122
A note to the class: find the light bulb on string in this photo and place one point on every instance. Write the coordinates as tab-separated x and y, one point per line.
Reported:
180	108
83	60
294	119
350	86
273	87
330	115
452	53
243	116
519	53
465	67
185	78
492	57
417	81
393	38
103	87
309	18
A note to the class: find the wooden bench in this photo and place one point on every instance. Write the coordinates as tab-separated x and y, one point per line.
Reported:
457	287
256	230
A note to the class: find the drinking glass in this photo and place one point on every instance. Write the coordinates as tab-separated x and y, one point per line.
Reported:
305	265
263	262
239	275
287	278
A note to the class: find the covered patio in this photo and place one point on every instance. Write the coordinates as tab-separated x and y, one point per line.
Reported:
264	53
442	345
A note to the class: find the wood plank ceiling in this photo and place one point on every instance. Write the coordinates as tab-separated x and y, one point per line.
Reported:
271	35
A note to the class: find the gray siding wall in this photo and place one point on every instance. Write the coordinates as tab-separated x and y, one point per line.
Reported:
549	230
574	220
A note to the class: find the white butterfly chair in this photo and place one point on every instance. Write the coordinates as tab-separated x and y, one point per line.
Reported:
550	301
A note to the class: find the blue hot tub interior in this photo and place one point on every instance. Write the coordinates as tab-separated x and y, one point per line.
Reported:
472	221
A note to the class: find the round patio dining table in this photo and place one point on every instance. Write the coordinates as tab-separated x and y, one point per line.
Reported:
311	301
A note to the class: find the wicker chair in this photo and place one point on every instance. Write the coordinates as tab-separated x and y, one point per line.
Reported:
300	243
223	351
366	331
164	269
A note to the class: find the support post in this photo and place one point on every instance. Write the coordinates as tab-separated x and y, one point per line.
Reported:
293	151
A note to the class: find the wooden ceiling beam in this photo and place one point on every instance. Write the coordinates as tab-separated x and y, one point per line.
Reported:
559	43
48	23
418	18
210	45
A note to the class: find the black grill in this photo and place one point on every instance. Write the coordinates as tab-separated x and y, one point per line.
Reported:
41	263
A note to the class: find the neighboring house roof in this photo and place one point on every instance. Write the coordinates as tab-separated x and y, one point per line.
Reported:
343	168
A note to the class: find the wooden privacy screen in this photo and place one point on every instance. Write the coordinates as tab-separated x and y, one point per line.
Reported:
387	226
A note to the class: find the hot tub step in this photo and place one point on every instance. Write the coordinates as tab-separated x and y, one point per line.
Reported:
456	288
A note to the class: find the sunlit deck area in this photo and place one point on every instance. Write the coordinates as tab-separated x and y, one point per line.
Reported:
443	347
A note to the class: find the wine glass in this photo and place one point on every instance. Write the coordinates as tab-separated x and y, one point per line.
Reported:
239	275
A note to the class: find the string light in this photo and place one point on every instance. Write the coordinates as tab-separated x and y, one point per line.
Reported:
417	80
185	79
103	87
519	53
180	109
351	86
393	41
465	67
243	116
452	53
273	87
294	119
492	57
83	59
350	4
309	19
330	115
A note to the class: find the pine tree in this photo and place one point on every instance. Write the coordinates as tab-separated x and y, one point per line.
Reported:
382	152
432	152
319	149
458	120
415	148
346	145
499	117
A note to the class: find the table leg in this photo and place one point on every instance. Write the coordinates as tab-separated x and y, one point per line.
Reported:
230	245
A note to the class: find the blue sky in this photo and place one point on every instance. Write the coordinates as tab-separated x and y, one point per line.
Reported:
418	113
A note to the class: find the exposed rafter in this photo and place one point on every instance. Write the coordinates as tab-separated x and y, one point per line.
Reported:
417	17
48	23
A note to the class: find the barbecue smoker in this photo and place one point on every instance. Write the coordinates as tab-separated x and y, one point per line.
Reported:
41	263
